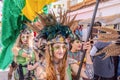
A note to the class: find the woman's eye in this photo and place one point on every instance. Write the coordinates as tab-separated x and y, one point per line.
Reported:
77	41
23	37
64	47
27	36
56	47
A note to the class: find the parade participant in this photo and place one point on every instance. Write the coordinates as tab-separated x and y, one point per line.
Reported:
23	53
56	65
104	68
75	50
39	48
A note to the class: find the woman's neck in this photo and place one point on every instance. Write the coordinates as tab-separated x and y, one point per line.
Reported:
25	47
56	61
73	50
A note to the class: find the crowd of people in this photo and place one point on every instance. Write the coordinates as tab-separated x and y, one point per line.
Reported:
55	54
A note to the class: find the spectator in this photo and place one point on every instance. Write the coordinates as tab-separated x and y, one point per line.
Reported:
103	69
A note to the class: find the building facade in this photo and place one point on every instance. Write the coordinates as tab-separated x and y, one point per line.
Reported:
108	12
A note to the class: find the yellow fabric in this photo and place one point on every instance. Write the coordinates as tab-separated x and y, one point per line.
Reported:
84	61
34	6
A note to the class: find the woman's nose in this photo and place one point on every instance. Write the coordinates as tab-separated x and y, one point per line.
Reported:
61	50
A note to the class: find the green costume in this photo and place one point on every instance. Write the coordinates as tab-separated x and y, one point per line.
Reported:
23	62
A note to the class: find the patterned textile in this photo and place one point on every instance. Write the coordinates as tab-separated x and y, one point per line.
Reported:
22	62
76	55
89	71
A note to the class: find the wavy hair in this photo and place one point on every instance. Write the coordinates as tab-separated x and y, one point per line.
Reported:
24	31
50	70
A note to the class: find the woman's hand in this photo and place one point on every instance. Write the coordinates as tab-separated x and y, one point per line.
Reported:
30	67
29	57
87	46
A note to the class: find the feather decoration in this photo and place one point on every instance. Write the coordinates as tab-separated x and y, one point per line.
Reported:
32	27
47	19
111	50
107	37
51	27
72	21
50	20
110	35
113	31
41	19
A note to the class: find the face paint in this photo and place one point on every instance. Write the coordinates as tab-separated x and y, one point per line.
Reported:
24	38
59	50
77	41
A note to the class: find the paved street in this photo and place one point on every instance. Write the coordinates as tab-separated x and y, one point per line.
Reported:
4	74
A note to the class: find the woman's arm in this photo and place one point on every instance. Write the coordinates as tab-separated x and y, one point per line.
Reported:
32	67
87	47
87	70
17	51
39	71
75	68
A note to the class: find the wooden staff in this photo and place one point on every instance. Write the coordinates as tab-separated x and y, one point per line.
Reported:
89	34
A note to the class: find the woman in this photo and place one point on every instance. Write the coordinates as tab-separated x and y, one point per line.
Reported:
75	50
39	48
23	53
56	65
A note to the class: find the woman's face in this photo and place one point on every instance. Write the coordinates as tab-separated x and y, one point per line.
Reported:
41	42
76	45
59	50
24	38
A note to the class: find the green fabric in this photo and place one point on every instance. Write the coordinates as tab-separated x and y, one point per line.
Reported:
22	60
16	75
0	41
11	26
20	52
69	72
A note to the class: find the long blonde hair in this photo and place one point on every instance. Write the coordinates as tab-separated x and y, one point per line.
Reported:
50	70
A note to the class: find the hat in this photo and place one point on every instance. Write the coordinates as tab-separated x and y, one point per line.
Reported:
54	31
